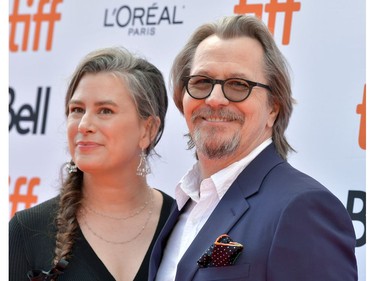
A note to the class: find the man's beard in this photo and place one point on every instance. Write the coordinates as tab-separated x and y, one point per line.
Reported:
209	142
212	146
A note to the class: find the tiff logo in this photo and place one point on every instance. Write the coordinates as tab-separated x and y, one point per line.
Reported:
23	193
361	110
272	8
23	22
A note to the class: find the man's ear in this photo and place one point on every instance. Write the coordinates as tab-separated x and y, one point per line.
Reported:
274	112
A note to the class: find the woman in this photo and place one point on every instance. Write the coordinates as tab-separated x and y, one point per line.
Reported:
104	222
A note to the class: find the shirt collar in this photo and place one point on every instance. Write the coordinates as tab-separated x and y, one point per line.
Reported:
189	186
224	178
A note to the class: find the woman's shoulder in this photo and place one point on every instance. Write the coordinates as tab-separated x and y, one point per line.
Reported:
37	217
32	237
167	199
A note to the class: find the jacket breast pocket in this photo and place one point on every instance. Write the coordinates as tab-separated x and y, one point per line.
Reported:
234	272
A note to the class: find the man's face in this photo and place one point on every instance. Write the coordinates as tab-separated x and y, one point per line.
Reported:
222	129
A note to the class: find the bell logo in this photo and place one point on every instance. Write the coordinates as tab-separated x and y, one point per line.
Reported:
34	22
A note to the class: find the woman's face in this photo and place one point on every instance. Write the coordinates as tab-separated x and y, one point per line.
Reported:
103	125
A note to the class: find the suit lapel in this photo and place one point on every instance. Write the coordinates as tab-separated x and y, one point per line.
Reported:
229	210
221	221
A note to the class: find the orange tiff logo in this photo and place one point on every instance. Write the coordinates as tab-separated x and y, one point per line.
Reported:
23	193
361	110
272	8
23	22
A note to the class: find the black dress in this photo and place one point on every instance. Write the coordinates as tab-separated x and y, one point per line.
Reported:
32	244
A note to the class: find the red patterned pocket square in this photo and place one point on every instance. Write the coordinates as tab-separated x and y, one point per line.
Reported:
223	252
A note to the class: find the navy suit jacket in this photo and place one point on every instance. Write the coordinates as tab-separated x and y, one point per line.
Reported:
292	229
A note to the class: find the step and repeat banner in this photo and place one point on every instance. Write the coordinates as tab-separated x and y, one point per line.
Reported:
324	42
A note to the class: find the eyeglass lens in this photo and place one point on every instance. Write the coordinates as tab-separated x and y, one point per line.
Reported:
200	87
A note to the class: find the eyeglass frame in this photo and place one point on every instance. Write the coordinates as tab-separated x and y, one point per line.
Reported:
213	81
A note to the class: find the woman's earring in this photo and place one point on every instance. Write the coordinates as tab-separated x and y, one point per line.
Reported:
71	167
143	168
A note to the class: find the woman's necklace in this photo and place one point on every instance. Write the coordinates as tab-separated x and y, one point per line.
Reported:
132	238
122	218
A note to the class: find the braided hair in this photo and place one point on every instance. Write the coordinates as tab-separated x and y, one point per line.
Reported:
147	87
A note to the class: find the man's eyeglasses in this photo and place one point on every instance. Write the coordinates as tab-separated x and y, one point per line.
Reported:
234	89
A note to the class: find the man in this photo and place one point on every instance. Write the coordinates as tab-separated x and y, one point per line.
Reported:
243	213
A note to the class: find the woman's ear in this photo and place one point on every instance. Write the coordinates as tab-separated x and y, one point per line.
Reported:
151	128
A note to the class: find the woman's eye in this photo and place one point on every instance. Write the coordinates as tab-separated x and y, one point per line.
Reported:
76	110
106	111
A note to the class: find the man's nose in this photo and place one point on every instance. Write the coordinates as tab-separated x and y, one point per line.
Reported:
217	97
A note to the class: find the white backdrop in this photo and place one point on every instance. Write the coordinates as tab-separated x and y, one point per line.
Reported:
324	42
